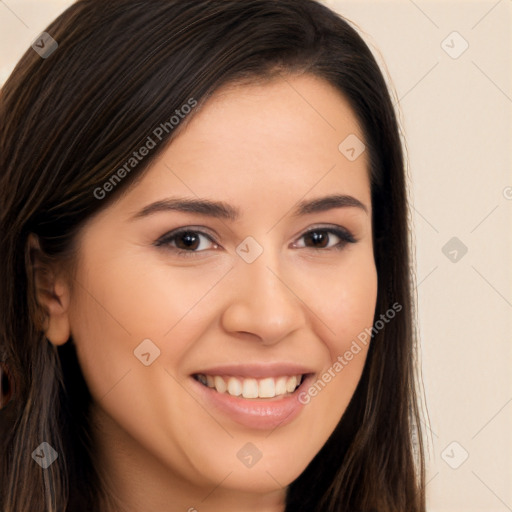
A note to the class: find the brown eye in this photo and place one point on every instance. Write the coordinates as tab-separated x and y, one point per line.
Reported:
322	238
187	241
317	238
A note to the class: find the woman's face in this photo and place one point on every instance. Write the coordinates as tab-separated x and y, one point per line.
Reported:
262	281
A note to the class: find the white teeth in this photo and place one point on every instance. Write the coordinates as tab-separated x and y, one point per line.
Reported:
281	386
234	386
267	388
220	385
291	384
252	388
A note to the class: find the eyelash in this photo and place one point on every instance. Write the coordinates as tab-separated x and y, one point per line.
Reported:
344	235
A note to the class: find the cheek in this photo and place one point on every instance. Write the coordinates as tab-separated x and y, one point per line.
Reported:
111	317
344	301
122	301
103	342
346	308
354	308
353	319
113	314
114	311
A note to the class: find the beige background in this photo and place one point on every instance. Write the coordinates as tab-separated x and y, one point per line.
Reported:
456	117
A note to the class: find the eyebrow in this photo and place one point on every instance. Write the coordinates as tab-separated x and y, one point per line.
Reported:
221	210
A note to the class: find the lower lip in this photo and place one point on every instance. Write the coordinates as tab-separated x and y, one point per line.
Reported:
262	414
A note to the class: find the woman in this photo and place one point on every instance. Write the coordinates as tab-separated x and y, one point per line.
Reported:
205	267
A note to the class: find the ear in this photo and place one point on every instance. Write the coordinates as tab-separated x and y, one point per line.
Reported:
52	294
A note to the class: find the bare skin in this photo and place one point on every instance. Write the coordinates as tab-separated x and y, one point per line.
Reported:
262	149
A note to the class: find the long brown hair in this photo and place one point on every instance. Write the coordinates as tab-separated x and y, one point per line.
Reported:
70	120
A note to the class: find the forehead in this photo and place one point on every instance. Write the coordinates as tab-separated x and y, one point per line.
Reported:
290	115
250	144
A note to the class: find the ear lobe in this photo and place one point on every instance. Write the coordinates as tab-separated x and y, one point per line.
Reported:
51	293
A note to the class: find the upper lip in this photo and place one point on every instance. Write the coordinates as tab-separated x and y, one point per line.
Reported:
257	371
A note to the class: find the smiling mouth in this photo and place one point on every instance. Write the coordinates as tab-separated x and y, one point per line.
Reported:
268	387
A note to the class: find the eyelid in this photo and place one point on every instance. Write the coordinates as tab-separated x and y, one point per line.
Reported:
329	227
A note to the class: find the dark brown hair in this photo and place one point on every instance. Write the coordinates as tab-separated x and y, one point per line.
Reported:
122	68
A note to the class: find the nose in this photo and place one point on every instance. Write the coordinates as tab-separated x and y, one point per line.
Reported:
262	303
